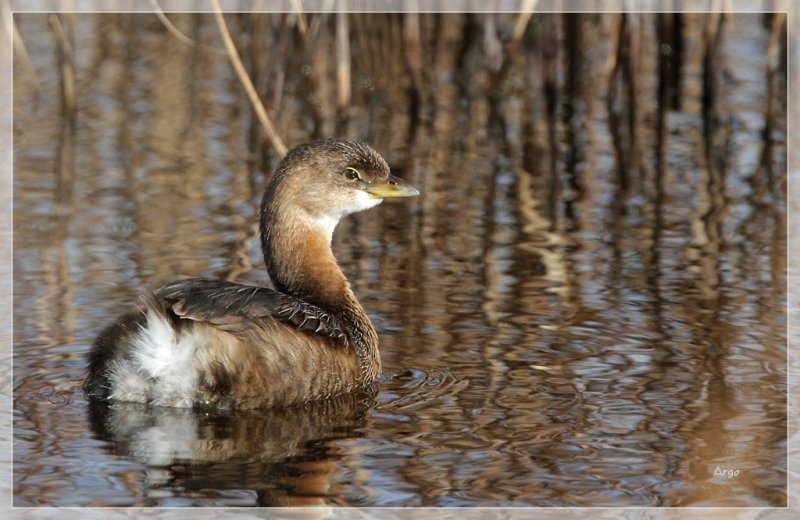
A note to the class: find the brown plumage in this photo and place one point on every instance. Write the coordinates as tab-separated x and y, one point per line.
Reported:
237	346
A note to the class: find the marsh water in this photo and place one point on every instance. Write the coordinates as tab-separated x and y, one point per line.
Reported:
585	307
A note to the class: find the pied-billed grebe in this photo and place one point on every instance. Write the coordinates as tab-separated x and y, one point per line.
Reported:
235	346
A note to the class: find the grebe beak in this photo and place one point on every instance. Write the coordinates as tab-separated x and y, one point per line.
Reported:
393	187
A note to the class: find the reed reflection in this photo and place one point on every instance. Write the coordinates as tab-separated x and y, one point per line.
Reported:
589	306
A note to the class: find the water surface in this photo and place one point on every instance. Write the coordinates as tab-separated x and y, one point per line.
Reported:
586	306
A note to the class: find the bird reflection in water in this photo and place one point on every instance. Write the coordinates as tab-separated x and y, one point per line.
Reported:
276	457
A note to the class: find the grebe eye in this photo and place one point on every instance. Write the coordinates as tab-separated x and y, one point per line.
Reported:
391	182
352	174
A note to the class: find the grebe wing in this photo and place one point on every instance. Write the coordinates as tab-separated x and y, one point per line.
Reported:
231	306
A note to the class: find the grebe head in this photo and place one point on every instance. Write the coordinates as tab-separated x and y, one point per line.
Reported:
314	186
326	180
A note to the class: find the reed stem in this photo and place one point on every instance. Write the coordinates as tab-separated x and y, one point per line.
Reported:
236	61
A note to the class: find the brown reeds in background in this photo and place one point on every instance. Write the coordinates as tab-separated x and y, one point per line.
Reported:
317	75
346	63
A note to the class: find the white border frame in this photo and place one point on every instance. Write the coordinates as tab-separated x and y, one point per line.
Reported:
7	7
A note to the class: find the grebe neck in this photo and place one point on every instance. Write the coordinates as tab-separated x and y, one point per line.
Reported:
300	262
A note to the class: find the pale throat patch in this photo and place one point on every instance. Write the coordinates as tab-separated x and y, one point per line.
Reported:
361	201
365	201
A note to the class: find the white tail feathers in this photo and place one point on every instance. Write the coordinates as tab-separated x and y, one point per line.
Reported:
160	369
